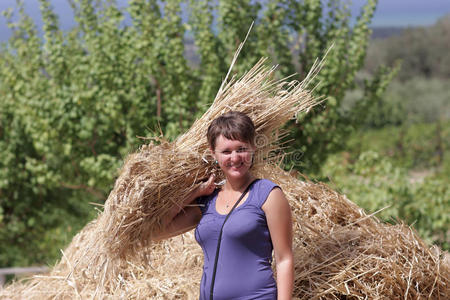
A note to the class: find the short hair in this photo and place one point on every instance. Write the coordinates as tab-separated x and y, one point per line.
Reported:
234	125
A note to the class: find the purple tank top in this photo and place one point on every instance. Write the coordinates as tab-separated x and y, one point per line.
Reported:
244	266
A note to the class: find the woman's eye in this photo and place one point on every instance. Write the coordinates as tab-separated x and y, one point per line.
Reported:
239	150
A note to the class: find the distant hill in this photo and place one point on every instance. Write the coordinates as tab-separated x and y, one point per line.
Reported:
386	32
423	50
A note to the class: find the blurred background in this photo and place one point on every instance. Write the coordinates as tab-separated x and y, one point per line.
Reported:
82	80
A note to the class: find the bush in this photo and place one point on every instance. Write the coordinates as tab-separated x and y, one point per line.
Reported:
411	146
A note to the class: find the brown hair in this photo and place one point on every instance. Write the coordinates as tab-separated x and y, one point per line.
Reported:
234	125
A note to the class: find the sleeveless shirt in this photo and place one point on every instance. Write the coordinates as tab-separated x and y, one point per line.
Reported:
244	265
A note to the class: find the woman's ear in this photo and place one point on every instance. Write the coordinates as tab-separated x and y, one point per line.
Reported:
212	153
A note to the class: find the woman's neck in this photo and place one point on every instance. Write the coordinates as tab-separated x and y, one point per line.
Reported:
238	184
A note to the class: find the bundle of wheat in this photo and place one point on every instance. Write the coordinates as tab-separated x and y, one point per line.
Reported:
158	177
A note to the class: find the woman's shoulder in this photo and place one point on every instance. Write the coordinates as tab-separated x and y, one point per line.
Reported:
263	188
266	183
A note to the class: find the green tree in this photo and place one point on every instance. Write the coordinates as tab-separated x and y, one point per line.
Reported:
74	103
322	132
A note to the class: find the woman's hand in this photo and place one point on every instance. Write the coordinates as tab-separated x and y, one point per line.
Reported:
206	187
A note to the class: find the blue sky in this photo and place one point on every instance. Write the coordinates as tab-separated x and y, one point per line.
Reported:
389	12
407	12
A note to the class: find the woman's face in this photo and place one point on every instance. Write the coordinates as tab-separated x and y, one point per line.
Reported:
233	156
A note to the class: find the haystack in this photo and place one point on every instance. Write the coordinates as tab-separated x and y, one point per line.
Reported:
340	252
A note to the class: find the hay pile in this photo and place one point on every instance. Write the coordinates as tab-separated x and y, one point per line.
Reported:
340	253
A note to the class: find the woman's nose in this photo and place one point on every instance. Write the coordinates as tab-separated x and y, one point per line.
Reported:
234	155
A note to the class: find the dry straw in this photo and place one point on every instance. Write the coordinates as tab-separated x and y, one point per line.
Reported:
340	252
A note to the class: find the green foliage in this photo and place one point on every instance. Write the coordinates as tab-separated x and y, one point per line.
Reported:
415	146
379	112
375	183
420	99
72	107
73	103
420	92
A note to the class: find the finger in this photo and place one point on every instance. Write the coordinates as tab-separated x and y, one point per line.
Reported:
207	183
204	185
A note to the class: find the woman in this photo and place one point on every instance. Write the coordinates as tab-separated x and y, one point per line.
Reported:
260	223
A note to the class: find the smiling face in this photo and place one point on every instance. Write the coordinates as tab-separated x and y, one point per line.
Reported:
233	156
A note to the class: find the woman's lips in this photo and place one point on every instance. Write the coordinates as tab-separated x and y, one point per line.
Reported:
238	166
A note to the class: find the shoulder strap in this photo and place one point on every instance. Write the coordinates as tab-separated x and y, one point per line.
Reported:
220	238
